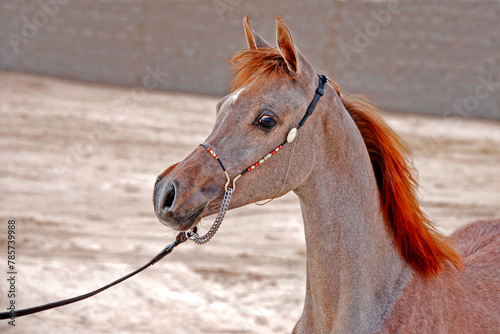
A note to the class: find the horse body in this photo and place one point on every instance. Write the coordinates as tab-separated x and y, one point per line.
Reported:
374	262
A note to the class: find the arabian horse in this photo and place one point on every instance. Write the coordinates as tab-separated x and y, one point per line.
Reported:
375	264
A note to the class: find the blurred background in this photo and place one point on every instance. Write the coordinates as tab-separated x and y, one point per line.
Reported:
98	97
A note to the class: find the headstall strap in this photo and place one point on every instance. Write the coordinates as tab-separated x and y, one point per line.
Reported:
292	134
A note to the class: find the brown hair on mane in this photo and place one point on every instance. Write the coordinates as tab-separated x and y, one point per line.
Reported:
417	240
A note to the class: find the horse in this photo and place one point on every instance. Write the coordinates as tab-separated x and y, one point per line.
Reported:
374	261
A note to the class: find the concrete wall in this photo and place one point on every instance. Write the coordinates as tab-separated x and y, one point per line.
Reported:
436	57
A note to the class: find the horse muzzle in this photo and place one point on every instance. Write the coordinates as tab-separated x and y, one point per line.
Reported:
164	200
187	192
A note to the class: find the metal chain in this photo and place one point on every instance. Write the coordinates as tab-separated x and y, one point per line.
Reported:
192	235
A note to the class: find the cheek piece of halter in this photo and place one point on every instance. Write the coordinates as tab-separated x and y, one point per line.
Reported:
183	236
228	189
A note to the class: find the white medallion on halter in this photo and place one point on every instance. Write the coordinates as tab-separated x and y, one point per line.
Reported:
292	134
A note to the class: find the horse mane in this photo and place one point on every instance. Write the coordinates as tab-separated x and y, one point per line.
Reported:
418	241
420	244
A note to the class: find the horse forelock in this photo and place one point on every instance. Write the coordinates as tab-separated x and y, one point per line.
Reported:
253	68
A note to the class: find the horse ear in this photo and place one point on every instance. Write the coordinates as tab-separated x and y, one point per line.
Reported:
286	46
253	39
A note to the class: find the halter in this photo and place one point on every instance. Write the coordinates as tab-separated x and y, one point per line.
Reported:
228	190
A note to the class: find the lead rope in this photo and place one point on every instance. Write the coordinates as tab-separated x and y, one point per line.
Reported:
181	237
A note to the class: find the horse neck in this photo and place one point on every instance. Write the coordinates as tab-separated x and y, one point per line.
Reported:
354	271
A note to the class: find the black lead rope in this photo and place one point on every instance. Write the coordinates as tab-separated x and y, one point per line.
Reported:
181	237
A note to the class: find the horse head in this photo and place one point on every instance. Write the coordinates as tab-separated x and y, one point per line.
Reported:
271	91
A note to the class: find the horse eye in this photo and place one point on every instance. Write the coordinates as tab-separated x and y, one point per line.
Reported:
267	121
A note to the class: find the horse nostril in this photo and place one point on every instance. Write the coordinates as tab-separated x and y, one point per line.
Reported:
168	199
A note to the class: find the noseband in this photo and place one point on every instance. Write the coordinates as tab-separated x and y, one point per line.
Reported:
228	189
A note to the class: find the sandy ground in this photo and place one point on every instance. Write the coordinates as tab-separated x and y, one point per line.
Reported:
77	172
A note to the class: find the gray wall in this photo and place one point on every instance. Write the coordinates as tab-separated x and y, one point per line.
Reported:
436	57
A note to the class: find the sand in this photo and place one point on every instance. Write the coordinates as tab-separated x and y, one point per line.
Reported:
78	166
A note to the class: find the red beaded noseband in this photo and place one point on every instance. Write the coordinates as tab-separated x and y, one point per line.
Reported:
292	134
252	167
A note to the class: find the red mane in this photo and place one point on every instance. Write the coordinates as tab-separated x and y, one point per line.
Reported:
417	240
